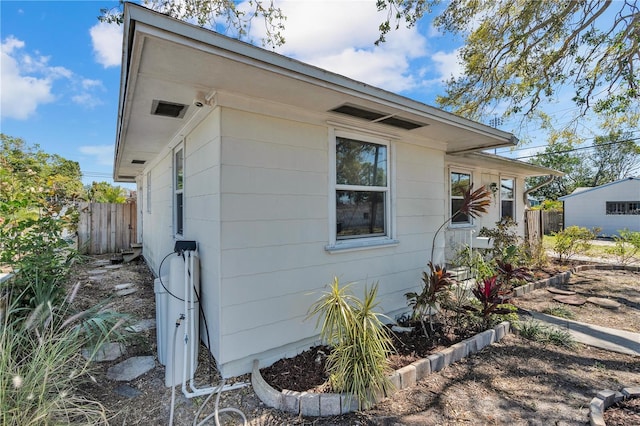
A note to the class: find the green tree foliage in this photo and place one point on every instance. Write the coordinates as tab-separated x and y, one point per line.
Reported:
37	191
226	15
104	192
612	157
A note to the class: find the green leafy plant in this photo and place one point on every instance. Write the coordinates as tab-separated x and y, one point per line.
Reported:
503	236
358	363
539	332
41	362
627	246
573	240
435	283
559	311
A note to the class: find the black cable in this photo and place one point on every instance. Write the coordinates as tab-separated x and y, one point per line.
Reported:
160	277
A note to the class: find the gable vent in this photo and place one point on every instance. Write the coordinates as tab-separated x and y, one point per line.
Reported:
168	109
378	117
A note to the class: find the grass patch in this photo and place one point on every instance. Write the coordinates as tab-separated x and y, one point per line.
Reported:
542	333
559	311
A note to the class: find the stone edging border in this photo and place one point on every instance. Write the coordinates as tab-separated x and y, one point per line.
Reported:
564	277
607	398
331	404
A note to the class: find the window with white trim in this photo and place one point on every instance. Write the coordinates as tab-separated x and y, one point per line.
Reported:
507	198
459	183
362	189
623	207
178	189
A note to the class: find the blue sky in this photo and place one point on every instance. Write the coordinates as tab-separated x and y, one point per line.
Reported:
61	67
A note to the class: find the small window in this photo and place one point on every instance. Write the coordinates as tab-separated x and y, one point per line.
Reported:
178	163
623	207
507	205
362	189
459	184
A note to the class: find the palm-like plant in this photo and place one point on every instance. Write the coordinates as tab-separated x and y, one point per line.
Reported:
358	363
474	204
489	293
436	281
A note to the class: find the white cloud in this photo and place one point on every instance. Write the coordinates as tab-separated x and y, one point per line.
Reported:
448	64
22	94
103	154
107	44
339	36
28	81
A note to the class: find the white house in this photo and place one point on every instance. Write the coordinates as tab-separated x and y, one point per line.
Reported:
611	207
287	175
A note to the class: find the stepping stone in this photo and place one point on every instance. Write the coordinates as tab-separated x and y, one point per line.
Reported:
604	303
560	291
142	325
97	271
123	286
108	352
127	391
573	300
113	267
126	291
131	368
101	262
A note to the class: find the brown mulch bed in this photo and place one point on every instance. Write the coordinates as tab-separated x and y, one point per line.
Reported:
623	413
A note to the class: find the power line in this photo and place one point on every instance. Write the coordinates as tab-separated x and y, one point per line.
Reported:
576	149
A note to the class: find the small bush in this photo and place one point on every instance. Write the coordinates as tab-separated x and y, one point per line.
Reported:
542	333
559	311
573	240
358	364
627	246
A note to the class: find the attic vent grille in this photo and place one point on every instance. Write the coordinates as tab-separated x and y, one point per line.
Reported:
138	161
378	117
168	109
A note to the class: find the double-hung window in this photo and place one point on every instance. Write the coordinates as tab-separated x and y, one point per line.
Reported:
362	190
178	189
459	183
507	205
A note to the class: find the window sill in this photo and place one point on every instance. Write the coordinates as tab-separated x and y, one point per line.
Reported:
357	245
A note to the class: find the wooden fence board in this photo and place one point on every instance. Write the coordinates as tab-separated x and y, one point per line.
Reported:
106	228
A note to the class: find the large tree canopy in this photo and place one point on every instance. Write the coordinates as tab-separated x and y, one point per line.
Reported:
519	53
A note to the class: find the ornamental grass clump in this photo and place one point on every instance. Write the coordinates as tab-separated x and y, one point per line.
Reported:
360	343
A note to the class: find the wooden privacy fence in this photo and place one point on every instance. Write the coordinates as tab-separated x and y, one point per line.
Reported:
540	222
106	228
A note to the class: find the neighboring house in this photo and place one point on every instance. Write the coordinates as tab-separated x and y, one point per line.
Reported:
611	207
287	175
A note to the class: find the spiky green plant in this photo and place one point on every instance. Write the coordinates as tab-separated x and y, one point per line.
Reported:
41	362
436	282
358	364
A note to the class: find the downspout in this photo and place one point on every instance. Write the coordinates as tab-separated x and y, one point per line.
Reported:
526	193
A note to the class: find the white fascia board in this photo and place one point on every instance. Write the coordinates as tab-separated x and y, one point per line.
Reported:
564	197
521	167
271	61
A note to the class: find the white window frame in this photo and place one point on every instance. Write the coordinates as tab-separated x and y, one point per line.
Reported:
366	242
178	228
450	197
513	200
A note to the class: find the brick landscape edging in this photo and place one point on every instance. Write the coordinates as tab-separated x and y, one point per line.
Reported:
564	277
606	398
331	404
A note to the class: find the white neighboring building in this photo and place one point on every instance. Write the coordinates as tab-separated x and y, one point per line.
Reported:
610	207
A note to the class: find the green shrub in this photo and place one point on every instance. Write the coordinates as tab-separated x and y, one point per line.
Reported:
358	364
573	240
627	246
539	332
41	364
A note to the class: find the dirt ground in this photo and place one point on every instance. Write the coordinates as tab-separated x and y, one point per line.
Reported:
514	382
